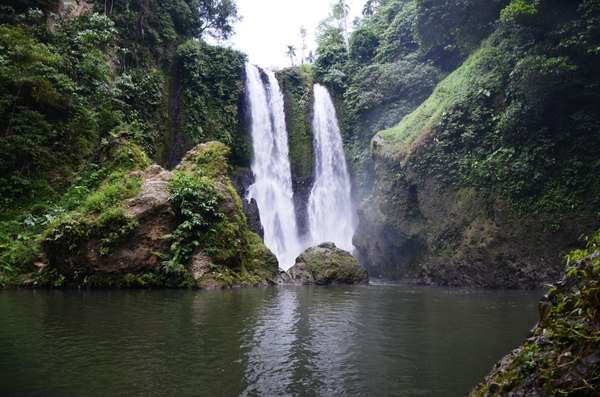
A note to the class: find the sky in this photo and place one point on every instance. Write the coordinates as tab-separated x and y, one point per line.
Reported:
269	26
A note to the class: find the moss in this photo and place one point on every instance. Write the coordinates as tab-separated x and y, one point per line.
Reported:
297	86
209	160
480	74
67	236
258	257
224	277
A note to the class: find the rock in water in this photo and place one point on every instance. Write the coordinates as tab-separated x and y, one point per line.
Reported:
327	264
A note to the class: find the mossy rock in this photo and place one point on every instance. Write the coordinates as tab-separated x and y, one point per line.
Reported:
130	231
327	264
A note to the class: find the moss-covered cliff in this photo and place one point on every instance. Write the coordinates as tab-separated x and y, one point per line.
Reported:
132	224
96	76
398	53
561	357
297	88
492	178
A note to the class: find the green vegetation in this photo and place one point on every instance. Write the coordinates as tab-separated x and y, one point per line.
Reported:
212	88
560	357
539	105
67	84
54	103
211	220
397	54
87	95
196	202
92	208
519	11
495	98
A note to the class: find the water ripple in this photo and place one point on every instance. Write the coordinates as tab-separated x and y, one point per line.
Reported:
384	340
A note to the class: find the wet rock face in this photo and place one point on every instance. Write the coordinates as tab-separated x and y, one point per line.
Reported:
242	180
200	265
302	188
327	264
415	228
297	89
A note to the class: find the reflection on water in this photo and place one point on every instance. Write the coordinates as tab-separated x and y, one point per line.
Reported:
384	340
269	346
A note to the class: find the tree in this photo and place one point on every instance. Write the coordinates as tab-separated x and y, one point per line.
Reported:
311	57
303	35
363	44
370	7
340	11
291	52
332	57
215	17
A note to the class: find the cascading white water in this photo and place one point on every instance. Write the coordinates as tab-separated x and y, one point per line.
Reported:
331	215
272	188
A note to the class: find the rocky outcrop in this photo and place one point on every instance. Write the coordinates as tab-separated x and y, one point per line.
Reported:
475	187
417	228
243	179
327	264
562	354
136	236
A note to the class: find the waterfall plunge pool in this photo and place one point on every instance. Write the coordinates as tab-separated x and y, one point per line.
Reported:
376	340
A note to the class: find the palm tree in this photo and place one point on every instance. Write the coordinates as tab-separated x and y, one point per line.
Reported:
341	10
291	52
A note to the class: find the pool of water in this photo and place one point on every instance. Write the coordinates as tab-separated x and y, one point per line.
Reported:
377	340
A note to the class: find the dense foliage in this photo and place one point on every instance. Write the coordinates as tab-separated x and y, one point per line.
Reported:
91	207
534	84
471	126
212	88
196	202
398	53
211	222
56	99
75	82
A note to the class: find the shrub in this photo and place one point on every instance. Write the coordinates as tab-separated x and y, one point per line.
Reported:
196	202
519	11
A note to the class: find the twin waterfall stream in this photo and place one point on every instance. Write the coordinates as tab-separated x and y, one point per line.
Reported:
330	211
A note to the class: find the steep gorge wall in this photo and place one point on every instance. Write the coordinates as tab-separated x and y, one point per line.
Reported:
493	178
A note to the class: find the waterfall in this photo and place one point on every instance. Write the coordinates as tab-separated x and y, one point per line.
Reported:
272	188
331	214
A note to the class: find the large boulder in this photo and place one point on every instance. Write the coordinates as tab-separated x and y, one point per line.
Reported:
130	227
327	264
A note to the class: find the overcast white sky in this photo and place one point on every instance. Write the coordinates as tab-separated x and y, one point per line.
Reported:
269	26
